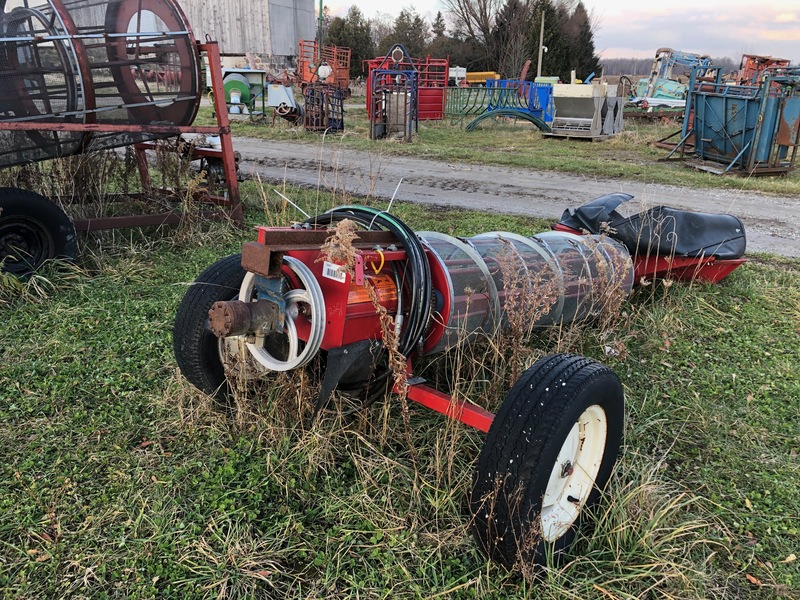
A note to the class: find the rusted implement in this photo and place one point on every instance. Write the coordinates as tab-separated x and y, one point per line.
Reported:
744	129
78	62
82	75
423	293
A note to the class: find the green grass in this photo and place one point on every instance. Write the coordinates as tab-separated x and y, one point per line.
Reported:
629	155
117	479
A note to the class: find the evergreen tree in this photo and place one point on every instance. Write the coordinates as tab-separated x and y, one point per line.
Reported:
411	31
584	60
507	31
438	27
581	39
556	60
352	32
462	52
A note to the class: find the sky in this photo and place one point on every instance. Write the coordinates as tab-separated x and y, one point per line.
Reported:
631	28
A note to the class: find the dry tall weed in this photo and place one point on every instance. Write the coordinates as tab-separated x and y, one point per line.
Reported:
528	297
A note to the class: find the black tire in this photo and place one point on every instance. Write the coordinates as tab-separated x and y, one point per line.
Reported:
33	230
522	449
196	347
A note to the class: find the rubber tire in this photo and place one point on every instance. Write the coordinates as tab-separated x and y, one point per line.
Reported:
196	348
522	447
47	229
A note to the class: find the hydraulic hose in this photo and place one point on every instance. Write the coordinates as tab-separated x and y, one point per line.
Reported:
419	280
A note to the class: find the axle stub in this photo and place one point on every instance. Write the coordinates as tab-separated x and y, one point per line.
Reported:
234	317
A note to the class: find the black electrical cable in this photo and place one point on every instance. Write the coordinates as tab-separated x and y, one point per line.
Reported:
418	317
369	218
419	310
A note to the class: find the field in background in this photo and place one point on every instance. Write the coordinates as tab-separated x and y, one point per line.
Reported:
629	155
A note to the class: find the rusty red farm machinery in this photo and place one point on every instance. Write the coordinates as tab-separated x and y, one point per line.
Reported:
356	298
80	76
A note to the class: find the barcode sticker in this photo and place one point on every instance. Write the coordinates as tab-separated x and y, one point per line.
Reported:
332	271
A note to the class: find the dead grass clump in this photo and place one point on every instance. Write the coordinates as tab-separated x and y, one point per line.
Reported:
338	248
528	297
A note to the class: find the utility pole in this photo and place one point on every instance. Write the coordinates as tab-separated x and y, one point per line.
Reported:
541	47
320	23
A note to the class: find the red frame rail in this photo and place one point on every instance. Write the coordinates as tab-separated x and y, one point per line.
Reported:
231	202
337	58
458	410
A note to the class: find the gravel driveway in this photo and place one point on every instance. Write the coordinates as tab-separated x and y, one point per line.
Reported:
772	223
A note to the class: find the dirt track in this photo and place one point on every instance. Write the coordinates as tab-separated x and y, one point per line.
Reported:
772	223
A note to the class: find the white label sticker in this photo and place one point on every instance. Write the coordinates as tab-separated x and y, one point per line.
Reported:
332	271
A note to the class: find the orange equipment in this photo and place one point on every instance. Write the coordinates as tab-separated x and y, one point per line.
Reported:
310	58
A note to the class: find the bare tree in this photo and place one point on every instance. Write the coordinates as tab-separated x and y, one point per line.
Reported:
512	37
381	27
476	19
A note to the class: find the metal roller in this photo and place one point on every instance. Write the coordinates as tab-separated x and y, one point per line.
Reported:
556	278
92	62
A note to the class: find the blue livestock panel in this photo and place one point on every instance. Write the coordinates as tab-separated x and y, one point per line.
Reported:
745	126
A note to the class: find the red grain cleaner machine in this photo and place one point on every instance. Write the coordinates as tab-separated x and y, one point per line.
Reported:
358	296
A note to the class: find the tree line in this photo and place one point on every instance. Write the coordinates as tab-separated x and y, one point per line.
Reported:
481	35
641	66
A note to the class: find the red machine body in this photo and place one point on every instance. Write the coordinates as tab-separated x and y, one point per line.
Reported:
439	291
753	66
472	281
351	315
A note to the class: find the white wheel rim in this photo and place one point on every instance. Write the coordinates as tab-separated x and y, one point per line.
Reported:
574	473
310	295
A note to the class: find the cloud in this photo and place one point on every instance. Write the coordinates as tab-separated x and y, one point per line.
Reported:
752	29
787	18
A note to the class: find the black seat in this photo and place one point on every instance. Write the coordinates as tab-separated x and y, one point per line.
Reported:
661	230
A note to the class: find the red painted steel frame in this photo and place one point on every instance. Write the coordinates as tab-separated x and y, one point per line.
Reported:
337	58
225	154
707	269
432	75
471	415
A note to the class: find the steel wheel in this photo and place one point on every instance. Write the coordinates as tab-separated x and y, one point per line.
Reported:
574	473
